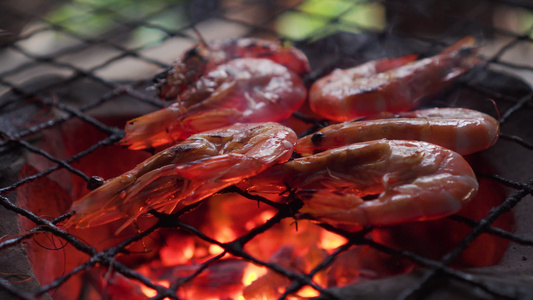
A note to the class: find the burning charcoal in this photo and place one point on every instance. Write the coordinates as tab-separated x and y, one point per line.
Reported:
363	263
223	278
271	285
119	287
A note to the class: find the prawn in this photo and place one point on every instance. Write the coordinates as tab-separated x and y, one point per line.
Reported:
348	94
410	180
462	130
242	90
203	58
186	173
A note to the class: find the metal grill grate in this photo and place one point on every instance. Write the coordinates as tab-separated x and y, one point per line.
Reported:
91	58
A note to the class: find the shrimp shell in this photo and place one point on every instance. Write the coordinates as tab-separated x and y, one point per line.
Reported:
241	91
341	96
462	130
186	173
413	181
203	58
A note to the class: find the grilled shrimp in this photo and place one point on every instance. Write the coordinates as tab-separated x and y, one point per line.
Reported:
411	181
462	130
186	173
243	90
203	58
347	94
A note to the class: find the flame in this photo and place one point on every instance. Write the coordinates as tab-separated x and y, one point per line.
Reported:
330	240
223	235
234	278
251	273
201	252
179	250
260	219
149	292
308	292
215	249
266	215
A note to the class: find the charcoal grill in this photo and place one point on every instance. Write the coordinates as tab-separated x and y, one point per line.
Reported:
83	63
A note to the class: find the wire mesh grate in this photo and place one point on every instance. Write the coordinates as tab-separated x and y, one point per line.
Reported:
68	63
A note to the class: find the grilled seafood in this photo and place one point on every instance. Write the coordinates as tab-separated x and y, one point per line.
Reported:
462	130
347	94
411	180
186	173
242	90
203	58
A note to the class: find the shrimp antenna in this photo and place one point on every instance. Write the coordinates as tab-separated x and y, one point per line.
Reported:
499	117
200	37
496	109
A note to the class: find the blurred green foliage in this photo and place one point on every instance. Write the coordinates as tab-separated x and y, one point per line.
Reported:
93	18
314	18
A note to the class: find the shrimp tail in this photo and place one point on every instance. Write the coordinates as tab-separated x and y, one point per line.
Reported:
464	43
464	53
130	197
154	129
97	207
169	125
